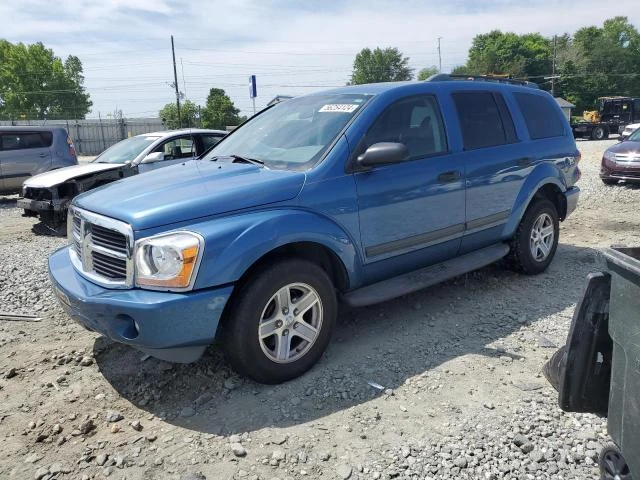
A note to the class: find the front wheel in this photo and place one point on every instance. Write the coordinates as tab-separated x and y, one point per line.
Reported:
281	321
598	133
536	240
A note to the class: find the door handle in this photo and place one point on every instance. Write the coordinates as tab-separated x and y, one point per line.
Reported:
449	177
524	162
42	155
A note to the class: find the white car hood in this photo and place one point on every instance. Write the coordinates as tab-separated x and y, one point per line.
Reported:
55	177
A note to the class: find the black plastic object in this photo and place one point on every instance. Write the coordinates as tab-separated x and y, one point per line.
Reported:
624	328
581	370
613	465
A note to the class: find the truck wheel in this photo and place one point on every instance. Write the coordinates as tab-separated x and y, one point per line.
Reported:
598	133
613	466
536	239
281	321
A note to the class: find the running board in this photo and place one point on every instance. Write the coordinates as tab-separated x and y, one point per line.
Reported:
425	277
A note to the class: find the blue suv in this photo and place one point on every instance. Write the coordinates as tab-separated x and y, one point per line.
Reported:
358	194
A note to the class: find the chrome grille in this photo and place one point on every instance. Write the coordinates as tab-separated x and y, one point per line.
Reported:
627	157
101	248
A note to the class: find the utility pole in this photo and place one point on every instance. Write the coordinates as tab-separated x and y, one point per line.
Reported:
439	56
553	68
175	81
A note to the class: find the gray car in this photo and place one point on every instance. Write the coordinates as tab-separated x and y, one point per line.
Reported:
27	151
48	195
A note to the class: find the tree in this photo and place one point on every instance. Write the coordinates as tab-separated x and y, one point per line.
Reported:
37	84
380	65
188	114
519	56
219	112
427	72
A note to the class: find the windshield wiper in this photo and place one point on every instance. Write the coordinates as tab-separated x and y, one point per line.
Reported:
239	158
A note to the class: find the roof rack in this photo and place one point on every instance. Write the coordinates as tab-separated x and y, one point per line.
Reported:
443	77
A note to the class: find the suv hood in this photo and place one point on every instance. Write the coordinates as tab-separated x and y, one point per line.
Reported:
194	189
55	177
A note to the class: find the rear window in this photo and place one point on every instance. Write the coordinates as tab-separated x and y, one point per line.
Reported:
25	140
541	116
481	123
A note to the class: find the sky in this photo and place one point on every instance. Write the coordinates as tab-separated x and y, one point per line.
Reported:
293	47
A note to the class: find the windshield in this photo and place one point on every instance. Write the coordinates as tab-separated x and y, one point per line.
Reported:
126	150
294	134
635	136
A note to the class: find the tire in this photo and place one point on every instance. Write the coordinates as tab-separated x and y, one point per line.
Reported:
613	466
269	299
541	215
609	181
598	133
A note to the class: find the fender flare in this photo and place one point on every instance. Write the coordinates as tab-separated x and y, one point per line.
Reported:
234	244
543	174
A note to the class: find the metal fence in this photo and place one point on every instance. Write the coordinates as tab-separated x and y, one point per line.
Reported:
92	136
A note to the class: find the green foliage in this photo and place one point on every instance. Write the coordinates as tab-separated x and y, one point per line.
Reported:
188	114
600	61
36	84
594	62
380	65
427	72
219	112
498	53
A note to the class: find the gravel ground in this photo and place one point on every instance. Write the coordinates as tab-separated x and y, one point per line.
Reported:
456	371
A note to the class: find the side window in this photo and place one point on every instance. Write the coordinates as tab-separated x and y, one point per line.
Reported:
480	120
414	121
540	115
177	148
24	140
209	141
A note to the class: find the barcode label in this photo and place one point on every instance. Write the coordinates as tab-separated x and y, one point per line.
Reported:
339	107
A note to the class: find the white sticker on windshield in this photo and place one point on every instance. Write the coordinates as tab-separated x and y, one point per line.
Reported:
339	107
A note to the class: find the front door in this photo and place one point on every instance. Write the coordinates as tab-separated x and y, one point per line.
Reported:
417	205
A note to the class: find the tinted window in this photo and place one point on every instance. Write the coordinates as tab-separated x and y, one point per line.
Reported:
480	120
540	115
16	141
414	121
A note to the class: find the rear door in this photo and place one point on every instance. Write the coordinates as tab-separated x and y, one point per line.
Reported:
494	163
24	154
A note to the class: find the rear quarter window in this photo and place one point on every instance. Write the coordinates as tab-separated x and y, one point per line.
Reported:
26	140
541	115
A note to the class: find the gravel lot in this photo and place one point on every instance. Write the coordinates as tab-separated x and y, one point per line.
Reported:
459	365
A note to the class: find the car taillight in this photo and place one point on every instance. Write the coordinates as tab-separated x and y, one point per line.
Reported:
72	149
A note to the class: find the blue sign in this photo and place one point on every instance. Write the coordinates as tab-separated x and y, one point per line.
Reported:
253	89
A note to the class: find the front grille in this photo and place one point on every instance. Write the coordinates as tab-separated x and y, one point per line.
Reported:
627	157
101	248
40	194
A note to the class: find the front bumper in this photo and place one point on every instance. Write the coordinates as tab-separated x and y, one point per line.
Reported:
611	170
176	327
572	195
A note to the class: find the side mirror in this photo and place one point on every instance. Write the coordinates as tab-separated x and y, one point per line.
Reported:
383	153
153	157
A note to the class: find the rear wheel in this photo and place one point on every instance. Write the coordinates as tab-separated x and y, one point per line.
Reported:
598	133
613	466
281	321
536	240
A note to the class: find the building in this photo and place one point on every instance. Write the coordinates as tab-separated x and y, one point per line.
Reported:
566	107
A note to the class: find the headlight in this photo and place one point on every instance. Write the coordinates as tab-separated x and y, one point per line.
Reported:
169	261
609	156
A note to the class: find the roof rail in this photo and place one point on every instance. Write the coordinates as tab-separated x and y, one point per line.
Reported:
443	77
